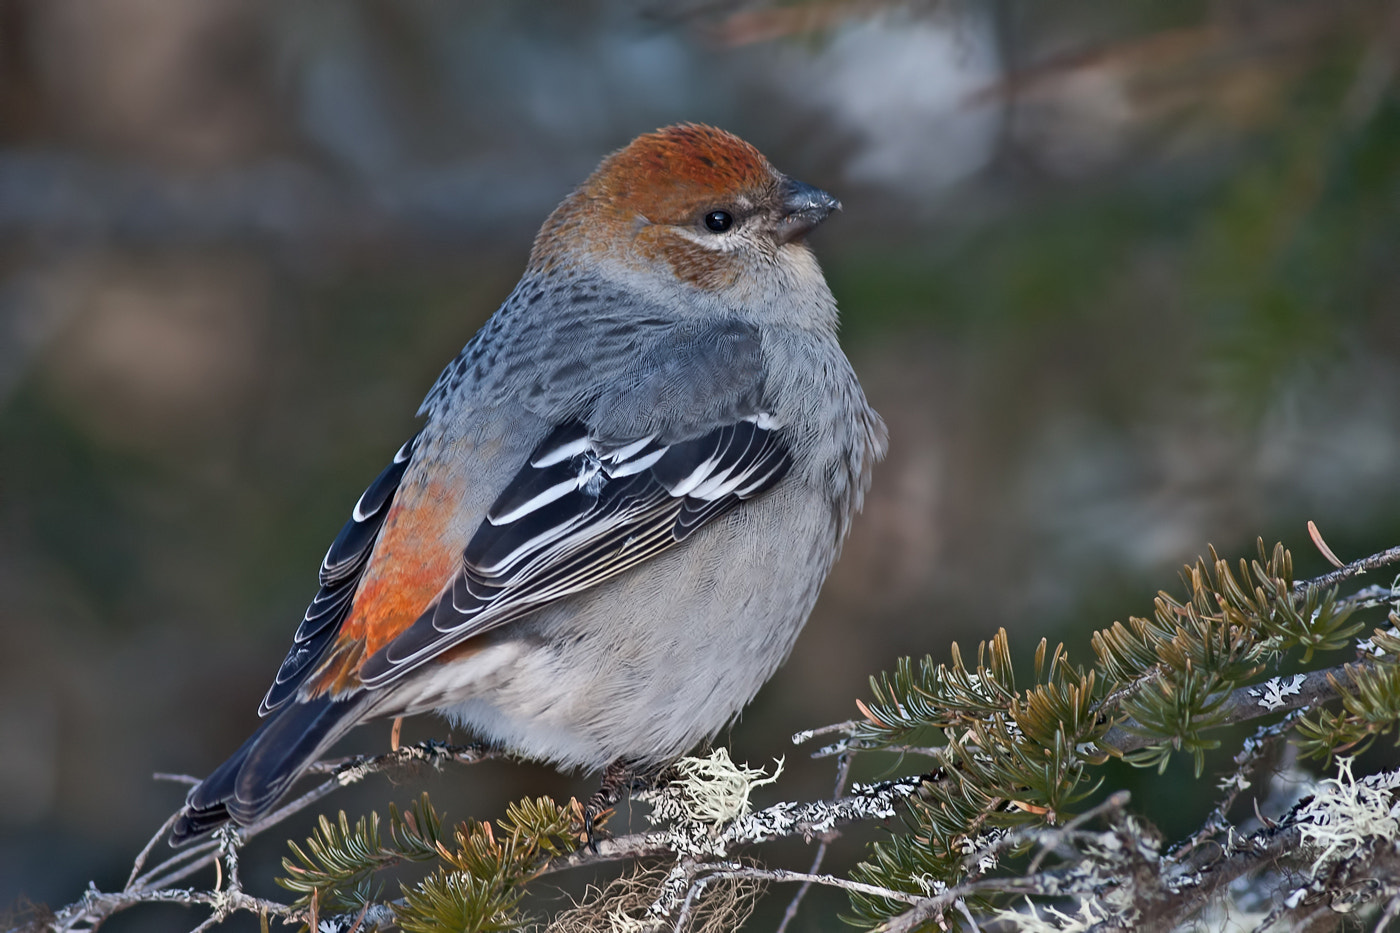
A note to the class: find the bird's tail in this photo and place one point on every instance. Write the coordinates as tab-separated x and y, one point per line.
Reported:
254	778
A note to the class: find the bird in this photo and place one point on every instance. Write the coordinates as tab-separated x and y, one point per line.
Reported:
623	499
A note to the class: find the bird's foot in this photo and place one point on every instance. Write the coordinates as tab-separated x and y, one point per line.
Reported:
617	777
594	819
622	775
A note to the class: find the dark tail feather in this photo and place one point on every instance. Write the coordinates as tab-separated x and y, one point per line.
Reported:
195	823
291	742
255	777
204	806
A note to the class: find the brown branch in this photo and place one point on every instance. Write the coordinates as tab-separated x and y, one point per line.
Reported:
1354	569
843	771
155	884
781	821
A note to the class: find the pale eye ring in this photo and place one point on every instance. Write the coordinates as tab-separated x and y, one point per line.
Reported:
718	221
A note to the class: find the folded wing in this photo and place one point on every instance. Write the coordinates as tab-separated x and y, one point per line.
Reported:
579	512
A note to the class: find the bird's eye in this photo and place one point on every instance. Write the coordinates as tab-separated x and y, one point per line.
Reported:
719	221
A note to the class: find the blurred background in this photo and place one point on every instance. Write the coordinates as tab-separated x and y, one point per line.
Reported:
1124	279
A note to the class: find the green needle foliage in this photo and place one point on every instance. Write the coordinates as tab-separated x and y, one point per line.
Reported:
480	876
1009	756
338	862
1370	699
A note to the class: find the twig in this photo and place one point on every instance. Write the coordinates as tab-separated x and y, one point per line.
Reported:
961	907
806	735
1114	803
705	873
175	778
1368	597
95	906
1245	761
146	850
1115	699
344	771
152	878
1354	569
841	748
431	752
843	771
155	883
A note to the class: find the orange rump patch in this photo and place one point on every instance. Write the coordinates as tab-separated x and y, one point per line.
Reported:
410	566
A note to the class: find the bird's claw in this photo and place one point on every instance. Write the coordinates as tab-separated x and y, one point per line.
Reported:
594	818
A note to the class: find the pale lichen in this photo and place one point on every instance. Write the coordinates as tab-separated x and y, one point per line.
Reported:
1031	919
712	790
1273	693
1345	814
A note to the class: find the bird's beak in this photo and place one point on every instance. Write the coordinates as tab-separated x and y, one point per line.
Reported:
803	208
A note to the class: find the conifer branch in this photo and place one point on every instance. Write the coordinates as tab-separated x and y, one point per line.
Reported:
989	823
1356	568
155	885
1276	695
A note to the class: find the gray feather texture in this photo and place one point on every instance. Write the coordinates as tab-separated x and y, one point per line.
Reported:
648	663
624	498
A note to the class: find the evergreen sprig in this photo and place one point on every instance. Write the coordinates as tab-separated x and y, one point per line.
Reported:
1175	671
1370	700
458	900
482	881
478	882
338	862
1012	756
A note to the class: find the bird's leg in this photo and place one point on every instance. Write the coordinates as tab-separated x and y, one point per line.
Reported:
394	734
621	775
617	777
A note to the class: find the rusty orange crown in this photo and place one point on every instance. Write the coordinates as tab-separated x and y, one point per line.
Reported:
669	172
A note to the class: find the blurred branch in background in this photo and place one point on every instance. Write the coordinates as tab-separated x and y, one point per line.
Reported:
1077	111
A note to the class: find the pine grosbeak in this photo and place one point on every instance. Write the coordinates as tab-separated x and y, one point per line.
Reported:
626	493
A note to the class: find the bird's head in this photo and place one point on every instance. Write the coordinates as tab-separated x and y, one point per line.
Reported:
693	207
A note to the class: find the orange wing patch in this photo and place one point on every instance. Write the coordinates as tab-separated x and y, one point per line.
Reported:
413	561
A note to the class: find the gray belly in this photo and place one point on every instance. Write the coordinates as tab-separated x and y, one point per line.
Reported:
650	663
